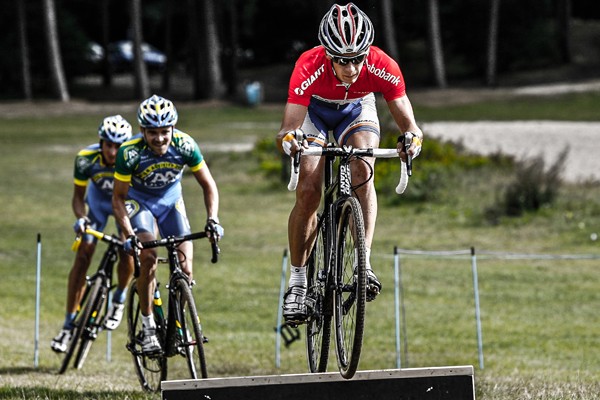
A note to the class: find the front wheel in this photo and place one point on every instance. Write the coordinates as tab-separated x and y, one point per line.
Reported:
351	286
318	327
188	332
85	312
94	324
150	369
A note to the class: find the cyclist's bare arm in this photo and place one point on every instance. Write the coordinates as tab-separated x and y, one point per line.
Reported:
211	193
293	117
402	112
78	201
120	190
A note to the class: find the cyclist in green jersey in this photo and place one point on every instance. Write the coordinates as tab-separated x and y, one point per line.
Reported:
93	179
148	194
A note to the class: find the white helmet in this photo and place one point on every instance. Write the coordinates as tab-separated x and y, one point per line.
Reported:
115	129
157	112
345	30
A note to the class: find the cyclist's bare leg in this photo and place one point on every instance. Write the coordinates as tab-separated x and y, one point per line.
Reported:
303	218
186	257
145	282
77	276
301	235
124	270
360	172
367	197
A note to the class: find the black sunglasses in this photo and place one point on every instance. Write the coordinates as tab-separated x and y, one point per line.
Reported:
345	60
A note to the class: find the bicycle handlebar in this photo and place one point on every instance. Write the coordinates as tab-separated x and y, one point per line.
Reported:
174	240
342	151
98	235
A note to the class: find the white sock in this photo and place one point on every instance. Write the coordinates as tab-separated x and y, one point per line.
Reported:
148	322
298	276
367	257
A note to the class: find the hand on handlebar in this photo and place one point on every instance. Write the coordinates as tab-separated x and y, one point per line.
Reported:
132	244
409	144
80	225
293	142
214	230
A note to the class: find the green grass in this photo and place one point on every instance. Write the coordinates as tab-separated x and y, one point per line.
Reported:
541	329
568	107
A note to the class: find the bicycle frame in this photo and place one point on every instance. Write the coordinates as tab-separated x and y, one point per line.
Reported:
92	311
338	187
337	278
105	270
179	331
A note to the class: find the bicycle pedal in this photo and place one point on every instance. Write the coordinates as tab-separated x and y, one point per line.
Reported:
310	303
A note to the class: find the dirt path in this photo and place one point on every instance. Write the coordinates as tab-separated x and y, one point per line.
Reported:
530	139
523	138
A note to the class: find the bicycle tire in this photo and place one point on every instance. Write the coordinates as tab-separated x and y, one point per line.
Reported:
189	337
93	325
80	322
350	296
150	370
318	327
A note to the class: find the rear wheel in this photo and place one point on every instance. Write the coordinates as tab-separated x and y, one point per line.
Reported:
188	332
350	296
151	370
85	311
318	328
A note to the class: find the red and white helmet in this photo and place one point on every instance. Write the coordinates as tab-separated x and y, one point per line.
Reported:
346	30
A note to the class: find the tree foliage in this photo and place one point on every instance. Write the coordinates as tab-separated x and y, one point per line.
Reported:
276	31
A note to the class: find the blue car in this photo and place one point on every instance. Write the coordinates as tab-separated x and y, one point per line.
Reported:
120	56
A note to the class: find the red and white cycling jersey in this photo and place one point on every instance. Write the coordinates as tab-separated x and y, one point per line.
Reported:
313	76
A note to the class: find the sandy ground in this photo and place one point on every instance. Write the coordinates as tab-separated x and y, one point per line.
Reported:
530	139
523	138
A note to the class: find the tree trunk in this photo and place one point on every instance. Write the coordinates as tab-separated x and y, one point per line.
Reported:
105	20
142	83
389	31
564	30
231	57
194	49
492	47
166	74
210	67
57	73
24	53
435	40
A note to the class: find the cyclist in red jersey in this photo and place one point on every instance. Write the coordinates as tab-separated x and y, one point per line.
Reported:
332	90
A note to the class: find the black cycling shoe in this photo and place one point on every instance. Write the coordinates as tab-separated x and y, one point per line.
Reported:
373	285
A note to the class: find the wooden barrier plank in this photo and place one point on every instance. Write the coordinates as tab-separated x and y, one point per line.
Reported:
440	383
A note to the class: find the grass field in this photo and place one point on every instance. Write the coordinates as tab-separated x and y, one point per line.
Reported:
541	328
